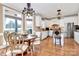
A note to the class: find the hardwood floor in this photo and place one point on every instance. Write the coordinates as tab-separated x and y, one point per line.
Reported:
47	48
70	48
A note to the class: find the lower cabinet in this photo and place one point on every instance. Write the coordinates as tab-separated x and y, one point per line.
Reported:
51	33
76	36
44	34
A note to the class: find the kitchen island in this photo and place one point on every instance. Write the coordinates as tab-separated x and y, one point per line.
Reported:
76	36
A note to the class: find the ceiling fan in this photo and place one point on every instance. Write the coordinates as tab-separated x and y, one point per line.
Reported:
29	11
59	15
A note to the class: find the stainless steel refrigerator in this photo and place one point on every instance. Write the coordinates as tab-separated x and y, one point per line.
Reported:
70	30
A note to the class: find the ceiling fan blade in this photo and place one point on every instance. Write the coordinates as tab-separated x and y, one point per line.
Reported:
56	17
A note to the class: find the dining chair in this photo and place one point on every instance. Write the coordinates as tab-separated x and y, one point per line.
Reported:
37	42
6	39
16	44
4	46
3	49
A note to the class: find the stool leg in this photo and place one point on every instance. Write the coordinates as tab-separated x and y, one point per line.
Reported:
60	42
55	41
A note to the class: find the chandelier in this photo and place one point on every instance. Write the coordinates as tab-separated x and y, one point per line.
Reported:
28	11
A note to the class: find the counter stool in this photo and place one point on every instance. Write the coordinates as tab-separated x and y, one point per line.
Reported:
58	38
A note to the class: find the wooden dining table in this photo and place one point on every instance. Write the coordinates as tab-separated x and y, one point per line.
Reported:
29	39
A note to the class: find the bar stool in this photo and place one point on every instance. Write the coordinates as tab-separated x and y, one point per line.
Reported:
57	36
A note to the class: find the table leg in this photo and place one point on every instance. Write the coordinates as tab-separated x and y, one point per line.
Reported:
29	44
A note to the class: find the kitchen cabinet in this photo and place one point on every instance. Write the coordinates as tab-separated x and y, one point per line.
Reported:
44	34
43	24
38	33
51	33
38	21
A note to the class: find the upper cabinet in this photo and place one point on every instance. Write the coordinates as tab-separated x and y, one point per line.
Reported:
78	19
38	21
43	24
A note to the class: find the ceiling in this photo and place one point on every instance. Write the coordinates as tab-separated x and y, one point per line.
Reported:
48	9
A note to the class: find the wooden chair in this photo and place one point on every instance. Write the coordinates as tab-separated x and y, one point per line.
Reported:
6	38
4	47
16	44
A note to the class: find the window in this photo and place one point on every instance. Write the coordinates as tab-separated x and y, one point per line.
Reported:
12	24
9	24
19	22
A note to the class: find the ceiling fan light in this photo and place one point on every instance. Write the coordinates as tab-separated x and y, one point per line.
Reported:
58	10
58	17
59	14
